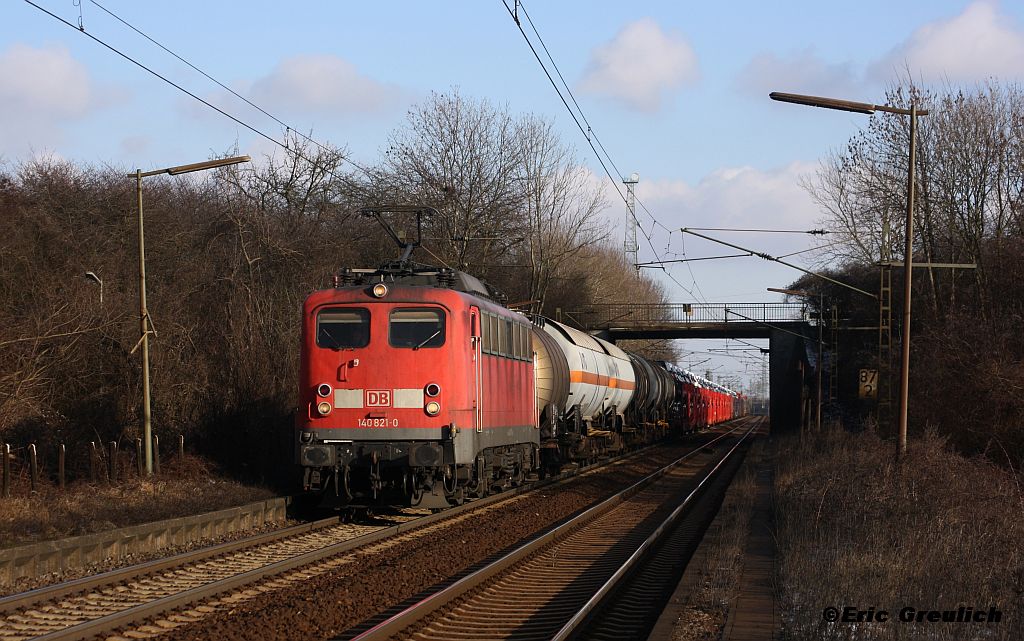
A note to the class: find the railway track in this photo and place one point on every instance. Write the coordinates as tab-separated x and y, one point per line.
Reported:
200	581
89	606
551	587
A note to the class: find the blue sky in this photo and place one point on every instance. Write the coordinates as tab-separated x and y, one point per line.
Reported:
676	91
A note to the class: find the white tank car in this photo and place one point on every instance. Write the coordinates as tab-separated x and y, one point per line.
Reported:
601	375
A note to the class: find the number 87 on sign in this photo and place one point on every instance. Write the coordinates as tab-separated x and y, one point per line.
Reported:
868	383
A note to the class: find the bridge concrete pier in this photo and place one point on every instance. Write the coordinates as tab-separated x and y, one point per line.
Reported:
790	377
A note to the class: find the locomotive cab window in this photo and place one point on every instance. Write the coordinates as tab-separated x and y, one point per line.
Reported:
343	328
416	327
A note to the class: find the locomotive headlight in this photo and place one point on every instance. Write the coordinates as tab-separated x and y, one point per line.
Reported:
380	290
432	390
324	408
433	408
323	390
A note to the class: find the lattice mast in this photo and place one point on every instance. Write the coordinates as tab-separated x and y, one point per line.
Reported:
630	247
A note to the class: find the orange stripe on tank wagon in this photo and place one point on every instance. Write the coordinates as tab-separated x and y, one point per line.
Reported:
578	376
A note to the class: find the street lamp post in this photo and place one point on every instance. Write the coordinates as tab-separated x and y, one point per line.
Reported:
908	257
144	322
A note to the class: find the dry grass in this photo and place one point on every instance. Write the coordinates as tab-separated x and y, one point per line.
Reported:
189	488
856	529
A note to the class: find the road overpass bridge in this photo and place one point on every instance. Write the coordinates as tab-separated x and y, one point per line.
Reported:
792	340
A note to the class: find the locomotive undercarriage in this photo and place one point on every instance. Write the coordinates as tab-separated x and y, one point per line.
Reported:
425	473
416	474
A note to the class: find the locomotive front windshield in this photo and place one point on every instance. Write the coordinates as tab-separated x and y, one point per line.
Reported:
343	327
416	327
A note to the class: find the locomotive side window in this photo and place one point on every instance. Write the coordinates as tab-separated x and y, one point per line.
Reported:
343	327
516	341
502	338
416	327
527	352
493	322
488	346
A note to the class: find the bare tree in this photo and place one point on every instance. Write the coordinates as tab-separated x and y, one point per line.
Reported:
969	182
464	158
561	204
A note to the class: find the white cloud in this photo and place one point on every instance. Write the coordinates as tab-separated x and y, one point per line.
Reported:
738	198
322	84
977	44
41	90
803	72
641	66
47	81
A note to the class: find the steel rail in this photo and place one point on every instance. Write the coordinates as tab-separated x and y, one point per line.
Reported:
21	600
398	622
666	526
94	627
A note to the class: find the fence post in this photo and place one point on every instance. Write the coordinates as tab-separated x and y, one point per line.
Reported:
181	447
33	466
61	453
94	462
113	462
156	455
6	451
139	463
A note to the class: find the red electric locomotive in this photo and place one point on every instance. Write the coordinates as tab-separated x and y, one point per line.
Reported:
412	386
412	381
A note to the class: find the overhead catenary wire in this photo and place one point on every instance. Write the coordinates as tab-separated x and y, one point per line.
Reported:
581	122
781	262
814	232
659	263
656	264
182	89
809	249
223	86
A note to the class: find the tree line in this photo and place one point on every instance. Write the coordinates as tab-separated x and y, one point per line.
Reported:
967	346
231	254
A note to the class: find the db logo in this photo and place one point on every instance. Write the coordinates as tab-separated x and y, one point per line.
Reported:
378	398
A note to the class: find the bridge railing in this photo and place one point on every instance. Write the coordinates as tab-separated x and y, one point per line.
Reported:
628	315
